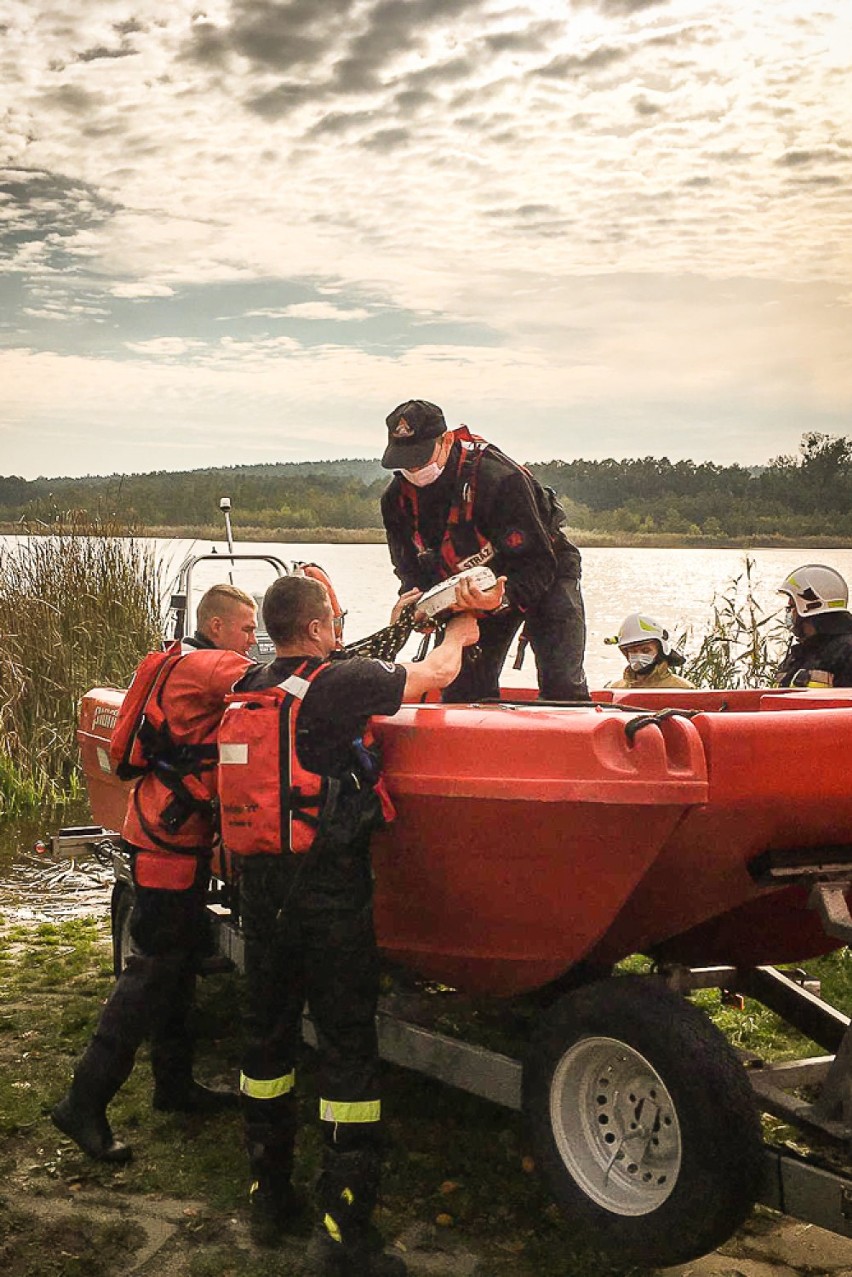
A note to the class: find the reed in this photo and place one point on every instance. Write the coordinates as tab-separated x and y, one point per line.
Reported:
743	644
78	608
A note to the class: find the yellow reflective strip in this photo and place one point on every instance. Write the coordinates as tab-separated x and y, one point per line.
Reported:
332	1229
355	1111
267	1088
348	1196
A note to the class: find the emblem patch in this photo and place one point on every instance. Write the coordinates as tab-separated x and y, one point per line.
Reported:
514	540
402	430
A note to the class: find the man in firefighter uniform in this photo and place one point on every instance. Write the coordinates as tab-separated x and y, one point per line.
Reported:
169	834
306	907
457	501
819	619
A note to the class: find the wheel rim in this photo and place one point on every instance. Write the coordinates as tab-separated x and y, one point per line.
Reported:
615	1126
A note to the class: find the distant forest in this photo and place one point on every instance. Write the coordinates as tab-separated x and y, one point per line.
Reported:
808	494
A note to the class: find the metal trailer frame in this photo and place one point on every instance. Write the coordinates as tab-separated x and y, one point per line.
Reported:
793	1184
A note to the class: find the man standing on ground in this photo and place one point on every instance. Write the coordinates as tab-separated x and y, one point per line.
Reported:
168	832
457	501
306	905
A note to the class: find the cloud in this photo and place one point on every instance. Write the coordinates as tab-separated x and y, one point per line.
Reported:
168	347
313	310
101	51
141	289
799	159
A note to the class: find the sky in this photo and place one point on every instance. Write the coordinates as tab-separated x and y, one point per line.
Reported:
243	231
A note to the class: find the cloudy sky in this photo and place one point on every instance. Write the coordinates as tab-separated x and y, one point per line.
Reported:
242	231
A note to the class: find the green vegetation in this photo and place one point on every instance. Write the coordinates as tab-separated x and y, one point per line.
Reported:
456	1166
622	502
743	644
455	1163
78	609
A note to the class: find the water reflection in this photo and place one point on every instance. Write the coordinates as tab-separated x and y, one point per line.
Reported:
35	887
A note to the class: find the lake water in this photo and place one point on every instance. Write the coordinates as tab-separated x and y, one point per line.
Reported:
675	587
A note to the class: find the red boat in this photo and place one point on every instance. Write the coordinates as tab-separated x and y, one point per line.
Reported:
536	846
532	837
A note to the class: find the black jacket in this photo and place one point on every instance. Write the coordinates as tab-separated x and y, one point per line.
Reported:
830	652
522	521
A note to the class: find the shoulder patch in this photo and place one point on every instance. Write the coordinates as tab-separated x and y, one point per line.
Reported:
514	539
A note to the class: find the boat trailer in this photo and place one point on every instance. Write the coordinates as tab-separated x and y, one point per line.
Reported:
809	1187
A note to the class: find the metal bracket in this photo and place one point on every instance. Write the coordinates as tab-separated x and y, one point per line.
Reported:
829	900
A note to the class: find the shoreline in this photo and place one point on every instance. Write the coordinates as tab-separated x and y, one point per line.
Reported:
583	539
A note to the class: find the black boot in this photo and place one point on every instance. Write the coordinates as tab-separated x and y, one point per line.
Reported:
276	1209
326	1257
86	1124
343	1245
192	1097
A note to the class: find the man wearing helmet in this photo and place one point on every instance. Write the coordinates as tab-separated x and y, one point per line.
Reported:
818	617
649	654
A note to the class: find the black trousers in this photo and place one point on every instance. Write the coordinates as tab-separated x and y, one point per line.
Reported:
152	996
308	929
556	629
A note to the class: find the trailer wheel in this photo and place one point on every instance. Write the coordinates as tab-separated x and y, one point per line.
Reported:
121	909
642	1121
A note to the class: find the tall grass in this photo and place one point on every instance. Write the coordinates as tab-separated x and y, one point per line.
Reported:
743	644
78	608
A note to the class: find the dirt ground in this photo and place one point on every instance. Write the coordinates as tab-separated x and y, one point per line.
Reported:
173	1237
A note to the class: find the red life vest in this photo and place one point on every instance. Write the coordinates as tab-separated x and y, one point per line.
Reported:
462	545
142	740
269	803
168	741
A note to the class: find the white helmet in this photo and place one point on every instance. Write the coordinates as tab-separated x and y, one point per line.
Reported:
815	588
638	628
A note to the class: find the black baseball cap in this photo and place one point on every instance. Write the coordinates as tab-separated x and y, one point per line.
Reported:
413	428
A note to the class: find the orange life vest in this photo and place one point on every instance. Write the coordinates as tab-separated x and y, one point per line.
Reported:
142	740
269	803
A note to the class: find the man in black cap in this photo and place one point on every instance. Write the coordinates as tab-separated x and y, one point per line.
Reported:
455	502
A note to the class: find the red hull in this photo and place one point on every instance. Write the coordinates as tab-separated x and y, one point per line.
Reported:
531	838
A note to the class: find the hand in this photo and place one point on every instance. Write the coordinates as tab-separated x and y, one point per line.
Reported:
471	599
463	628
410	596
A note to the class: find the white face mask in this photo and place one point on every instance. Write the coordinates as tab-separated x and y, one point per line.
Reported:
790	618
425	475
640	661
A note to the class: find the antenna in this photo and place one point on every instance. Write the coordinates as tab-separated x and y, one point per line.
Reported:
225	507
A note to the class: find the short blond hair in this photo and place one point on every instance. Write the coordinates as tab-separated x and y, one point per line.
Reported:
221	600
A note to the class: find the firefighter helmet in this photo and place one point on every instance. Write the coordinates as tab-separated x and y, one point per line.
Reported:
639	628
815	588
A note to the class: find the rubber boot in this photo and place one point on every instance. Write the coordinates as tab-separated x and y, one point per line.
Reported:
275	1207
193	1097
343	1246
327	1258
103	1068
175	1089
83	1118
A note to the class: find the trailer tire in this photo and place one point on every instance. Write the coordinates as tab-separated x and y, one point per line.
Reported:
642	1122
121	910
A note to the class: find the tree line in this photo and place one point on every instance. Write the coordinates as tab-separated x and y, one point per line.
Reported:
806	494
